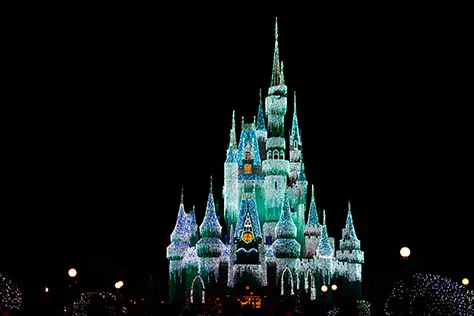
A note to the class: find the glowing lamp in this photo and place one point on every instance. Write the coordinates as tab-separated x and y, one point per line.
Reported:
118	284
334	287
324	288
46	289
405	252
465	281
72	272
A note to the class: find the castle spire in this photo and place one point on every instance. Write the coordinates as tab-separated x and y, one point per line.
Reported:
276	70
301	174
295	131
324	248
181	232
350	230
260	116
286	245
313	219
285	227
210	226
233	136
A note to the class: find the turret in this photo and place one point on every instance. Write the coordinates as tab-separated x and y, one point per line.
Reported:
295	147
351	255
209	247
275	167
193	226
325	249
230	189
180	238
285	248
286	245
261	128
312	229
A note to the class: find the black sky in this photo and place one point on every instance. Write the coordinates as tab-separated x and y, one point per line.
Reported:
108	112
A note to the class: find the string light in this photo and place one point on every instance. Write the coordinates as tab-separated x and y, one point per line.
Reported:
260	186
10	295
430	294
111	302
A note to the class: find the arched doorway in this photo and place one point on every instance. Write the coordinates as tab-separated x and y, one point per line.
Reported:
198	291
287	283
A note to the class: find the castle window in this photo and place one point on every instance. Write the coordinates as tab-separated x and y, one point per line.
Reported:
269	155
248	156
247	237
248	168
282	155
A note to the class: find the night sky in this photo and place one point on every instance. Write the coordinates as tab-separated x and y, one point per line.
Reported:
108	112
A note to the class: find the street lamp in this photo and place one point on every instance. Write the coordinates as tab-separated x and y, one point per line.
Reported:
405	252
324	288
465	281
72	272
334	287
118	285
46	289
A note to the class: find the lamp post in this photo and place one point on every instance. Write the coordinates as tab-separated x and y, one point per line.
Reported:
405	252
72	273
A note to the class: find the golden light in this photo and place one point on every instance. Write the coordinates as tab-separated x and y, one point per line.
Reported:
118	284
46	289
247	287
405	252
334	287
72	272
324	288
465	281
248	237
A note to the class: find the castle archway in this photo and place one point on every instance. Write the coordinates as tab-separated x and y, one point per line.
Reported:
200	290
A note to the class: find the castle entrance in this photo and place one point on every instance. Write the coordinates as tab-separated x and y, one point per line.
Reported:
248	293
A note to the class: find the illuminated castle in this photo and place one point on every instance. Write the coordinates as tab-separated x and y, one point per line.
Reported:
264	238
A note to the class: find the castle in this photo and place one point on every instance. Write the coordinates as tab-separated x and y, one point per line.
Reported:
265	241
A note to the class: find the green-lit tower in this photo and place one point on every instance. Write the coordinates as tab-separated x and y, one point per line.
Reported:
275	167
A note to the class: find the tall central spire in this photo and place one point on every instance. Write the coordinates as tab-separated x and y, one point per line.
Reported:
277	71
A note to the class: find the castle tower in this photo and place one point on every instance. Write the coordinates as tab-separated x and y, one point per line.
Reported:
295	147
325	249
298	196
175	252
250	178
209	247
352	256
230	189
193	226
312	230
261	129
285	248
275	167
